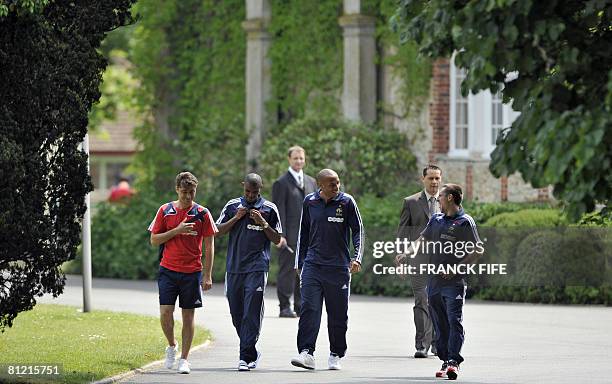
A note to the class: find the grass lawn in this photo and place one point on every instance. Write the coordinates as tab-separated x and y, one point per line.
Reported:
89	346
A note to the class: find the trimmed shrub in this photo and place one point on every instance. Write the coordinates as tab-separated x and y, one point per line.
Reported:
543	218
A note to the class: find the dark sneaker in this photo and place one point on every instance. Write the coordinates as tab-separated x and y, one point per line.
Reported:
287	312
420	353
453	370
442	371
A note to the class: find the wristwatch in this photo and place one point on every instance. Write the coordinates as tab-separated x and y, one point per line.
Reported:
266	225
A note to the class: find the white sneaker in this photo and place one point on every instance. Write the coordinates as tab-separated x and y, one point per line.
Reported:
334	363
183	366
243	366
171	356
253	364
304	360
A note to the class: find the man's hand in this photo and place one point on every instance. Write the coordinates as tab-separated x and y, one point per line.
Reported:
206	283
399	259
257	218
355	266
282	243
185	228
240	213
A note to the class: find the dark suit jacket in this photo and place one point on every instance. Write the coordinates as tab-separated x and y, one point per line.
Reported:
414	216
288	197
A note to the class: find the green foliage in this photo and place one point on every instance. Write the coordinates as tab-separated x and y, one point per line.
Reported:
368	158
560	56
307	58
481	212
410	68
601	218
528	218
117	91
22	7
189	58
565	265
51	71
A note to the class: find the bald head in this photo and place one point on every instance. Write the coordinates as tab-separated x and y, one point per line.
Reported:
329	182
326	173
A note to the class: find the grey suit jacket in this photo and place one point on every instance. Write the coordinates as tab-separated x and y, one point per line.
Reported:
414	216
288	197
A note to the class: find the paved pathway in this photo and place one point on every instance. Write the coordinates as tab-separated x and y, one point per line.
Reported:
505	343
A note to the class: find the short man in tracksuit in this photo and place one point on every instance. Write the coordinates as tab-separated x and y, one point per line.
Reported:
446	291
252	222
330	220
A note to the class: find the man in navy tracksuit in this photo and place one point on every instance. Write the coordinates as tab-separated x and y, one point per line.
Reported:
446	291
253	222
330	220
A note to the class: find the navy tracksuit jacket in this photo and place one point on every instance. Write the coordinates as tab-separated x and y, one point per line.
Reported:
446	297
323	255
248	259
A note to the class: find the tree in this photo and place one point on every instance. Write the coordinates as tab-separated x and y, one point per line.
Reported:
552	60
51	72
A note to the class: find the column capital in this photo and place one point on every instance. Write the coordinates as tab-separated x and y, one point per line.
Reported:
356	20
256	28
255	25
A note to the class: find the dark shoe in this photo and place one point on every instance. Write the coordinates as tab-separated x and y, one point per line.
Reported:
287	312
442	371
453	370
433	350
297	312
420	353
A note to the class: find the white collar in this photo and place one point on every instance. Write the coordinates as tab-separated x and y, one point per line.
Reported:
297	175
430	196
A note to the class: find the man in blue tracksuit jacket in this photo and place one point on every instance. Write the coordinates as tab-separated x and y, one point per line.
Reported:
456	231
330	220
253	222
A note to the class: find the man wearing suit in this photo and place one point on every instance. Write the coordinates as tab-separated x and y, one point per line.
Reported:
288	193
416	212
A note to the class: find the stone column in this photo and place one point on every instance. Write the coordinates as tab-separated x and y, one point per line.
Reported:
359	91
258	79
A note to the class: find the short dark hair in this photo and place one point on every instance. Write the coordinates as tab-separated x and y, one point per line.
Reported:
253	179
455	191
432	167
186	180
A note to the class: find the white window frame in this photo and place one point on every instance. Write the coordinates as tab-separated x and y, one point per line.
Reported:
453	151
479	120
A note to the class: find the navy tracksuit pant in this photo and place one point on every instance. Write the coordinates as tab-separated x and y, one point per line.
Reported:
446	309
245	292
332	284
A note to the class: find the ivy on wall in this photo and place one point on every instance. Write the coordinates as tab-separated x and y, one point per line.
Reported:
307	59
190	60
306	56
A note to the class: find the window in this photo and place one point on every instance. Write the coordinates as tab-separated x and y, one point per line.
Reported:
461	115
475	121
497	116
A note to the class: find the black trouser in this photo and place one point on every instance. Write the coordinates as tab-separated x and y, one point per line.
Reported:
287	282
332	285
